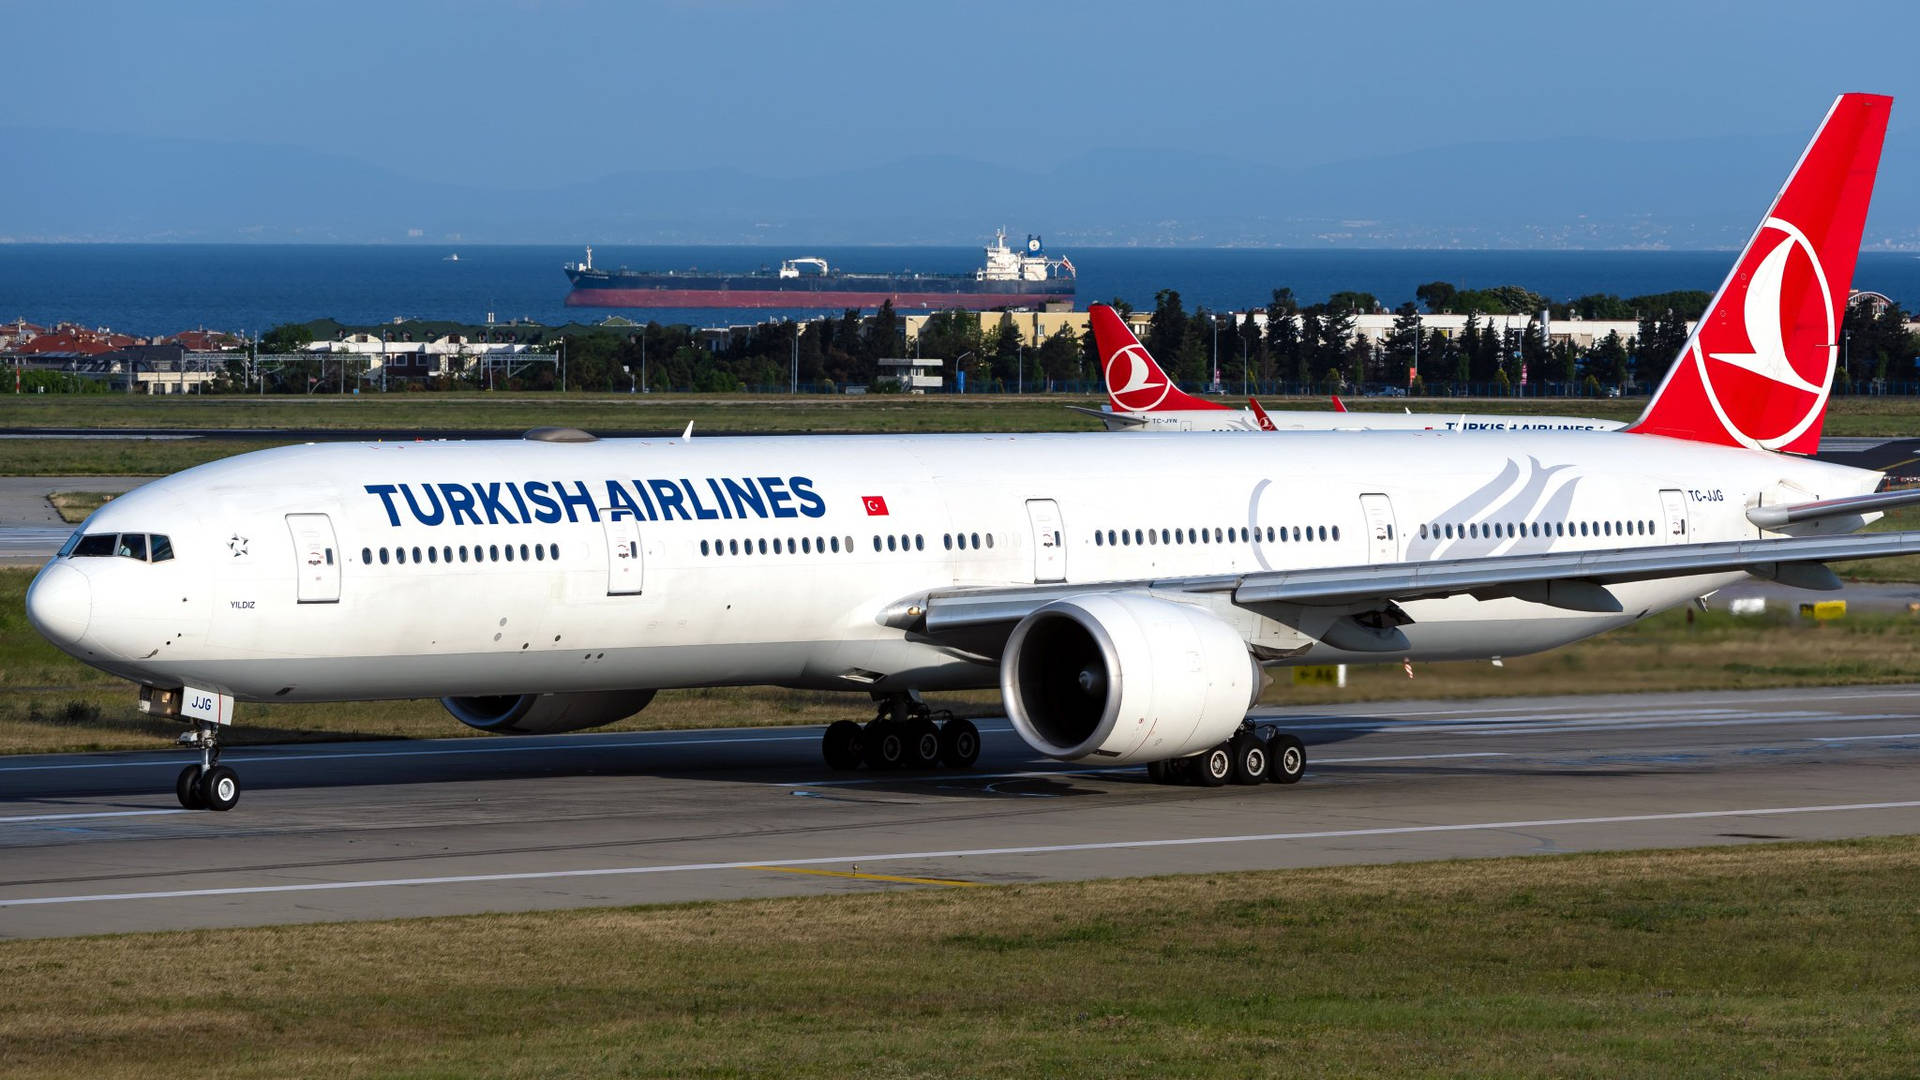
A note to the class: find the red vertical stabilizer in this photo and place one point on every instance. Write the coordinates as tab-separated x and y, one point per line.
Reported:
1135	384
1758	368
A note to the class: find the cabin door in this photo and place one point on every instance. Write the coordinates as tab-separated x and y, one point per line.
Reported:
1049	541
1383	546
316	560
1673	505
624	569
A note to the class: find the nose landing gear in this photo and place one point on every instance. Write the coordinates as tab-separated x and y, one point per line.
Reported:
208	785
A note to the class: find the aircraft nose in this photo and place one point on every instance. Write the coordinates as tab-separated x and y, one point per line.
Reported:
60	604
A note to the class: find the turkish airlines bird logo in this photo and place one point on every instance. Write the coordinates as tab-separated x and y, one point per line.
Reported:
1135	382
1768	375
876	505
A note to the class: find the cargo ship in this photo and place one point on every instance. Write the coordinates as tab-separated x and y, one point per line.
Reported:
1009	279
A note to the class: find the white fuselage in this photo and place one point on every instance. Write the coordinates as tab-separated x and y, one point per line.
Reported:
1301	420
715	561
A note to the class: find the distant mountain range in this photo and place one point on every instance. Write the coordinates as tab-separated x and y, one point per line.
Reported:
1550	193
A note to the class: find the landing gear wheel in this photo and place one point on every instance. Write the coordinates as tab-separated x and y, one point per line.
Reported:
1157	773
219	788
923	744
841	745
187	789
1286	759
886	744
1213	767
959	744
1249	758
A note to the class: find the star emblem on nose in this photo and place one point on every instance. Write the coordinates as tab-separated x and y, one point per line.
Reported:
237	545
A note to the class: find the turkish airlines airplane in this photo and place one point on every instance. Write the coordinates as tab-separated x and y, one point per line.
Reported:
1141	396
1123	594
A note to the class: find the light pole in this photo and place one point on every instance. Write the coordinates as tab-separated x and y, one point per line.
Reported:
1243	358
959	374
794	379
1020	375
1215	320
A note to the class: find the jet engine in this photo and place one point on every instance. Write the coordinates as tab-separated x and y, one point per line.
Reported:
546	714
1126	677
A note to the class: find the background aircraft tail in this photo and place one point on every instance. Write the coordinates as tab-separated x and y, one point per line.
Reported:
1134	382
1758	368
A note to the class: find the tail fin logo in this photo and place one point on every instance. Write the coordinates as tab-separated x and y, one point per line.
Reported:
1783	282
1131	375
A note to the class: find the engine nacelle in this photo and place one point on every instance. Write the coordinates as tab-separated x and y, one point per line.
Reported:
1125	677
546	714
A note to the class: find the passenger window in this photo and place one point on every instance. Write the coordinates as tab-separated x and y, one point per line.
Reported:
976	541
463	553
553	551
400	556
919	543
433	555
539	553
836	545
416	554
876	543
1179	537
989	541
383	556
1336	532
493	553
703	547
366	556
1269	534
1098	538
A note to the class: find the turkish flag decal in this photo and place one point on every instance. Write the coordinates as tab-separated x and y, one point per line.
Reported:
876	505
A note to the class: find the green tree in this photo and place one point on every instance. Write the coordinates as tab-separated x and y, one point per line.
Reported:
1402	346
1609	359
1167	329
1436	295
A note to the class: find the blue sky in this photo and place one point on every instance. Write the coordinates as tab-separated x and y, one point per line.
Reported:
536	89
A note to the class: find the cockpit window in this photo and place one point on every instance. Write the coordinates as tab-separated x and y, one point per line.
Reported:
125	545
73	541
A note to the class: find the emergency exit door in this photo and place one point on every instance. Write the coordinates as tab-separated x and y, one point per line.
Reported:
1049	541
1383	546
316	562
624	569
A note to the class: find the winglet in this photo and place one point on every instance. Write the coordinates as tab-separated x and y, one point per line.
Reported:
1135	384
1260	415
1759	367
1338	405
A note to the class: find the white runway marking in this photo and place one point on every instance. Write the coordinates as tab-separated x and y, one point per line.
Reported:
902	856
1863	738
90	814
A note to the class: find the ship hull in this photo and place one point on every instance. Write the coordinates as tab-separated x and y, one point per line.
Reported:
907	292
777	298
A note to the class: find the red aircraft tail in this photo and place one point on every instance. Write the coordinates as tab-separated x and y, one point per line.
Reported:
1135	384
1261	417
1758	368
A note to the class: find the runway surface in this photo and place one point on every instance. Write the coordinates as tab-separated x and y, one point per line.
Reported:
96	843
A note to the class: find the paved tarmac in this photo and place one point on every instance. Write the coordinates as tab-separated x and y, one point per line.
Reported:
96	843
30	531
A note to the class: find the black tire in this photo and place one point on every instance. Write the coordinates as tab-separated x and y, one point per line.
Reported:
1249	758
923	744
220	788
959	744
840	744
886	744
187	788
1157	773
1212	768
1286	759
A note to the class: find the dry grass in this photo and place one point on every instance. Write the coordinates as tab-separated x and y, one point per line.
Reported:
74	506
1780	960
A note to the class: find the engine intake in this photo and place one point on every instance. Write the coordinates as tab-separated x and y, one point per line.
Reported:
546	714
1125	677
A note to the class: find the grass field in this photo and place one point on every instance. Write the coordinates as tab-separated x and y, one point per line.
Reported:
50	702
1798	960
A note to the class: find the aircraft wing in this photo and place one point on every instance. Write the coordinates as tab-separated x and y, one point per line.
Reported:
1114	421
1356	607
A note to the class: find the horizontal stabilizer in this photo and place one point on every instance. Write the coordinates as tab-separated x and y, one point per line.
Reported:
1774	517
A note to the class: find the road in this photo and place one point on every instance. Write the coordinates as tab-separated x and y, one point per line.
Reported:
96	843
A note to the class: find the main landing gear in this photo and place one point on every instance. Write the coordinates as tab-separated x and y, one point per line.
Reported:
1248	758
208	785
904	734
